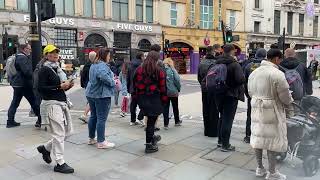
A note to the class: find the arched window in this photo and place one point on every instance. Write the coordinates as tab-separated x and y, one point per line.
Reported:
95	40
144	45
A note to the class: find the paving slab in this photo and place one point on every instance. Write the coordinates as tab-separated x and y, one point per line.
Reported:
119	140
54	176
238	159
135	147
9	157
114	174
74	153
217	156
79	138
27	152
232	173
188	171
199	141
178	134
34	166
10	172
175	153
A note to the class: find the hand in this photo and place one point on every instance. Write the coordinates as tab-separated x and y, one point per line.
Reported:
65	85
71	85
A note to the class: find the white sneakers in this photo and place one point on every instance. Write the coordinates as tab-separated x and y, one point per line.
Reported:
105	145
276	176
139	122
260	172
92	141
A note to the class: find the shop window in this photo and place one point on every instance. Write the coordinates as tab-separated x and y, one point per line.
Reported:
139	10
122	40
173	14
23	5
144	45
206	14
2	4
87	8
100	8
120	10
65	37
149	11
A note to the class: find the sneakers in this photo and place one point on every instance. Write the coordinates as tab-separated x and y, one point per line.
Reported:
32	114
276	176
11	124
260	172
137	123
179	123
38	124
122	114
105	145
64	168
228	148
166	128
83	118
151	148
45	154
156	129
219	145
92	141
156	139
246	139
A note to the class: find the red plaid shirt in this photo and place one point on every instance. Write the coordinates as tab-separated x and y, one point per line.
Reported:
148	86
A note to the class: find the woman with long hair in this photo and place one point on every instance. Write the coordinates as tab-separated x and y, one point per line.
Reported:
173	90
99	91
150	91
124	90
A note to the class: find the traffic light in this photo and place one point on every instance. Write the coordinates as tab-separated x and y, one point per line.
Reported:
48	10
10	43
229	37
280	42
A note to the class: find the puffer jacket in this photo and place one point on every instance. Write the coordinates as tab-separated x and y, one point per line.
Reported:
270	95
23	78
203	69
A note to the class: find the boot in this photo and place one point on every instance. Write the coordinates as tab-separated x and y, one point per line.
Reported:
151	148
11	124
156	139
45	154
64	168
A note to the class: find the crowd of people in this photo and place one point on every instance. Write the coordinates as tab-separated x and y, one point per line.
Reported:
270	84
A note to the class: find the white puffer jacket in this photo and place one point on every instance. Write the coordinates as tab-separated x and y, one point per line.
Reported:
270	96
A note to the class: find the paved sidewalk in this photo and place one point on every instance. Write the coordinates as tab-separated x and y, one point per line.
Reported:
184	154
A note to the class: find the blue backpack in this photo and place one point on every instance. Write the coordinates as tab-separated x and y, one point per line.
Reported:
216	79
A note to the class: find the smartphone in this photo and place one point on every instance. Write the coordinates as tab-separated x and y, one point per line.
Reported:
73	77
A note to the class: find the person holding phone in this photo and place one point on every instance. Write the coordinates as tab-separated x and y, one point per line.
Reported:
52	84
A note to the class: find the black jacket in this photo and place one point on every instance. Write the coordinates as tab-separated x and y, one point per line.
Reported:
85	75
306	76
134	64
203	70
235	77
23	78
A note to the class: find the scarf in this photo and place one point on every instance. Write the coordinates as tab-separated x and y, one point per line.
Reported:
60	72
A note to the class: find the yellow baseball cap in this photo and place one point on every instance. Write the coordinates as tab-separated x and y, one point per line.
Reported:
50	48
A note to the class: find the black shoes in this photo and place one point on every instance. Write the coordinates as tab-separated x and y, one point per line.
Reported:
45	154
247	139
229	148
151	148
38	124
64	168
156	139
11	124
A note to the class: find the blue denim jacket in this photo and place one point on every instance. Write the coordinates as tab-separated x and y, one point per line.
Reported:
101	83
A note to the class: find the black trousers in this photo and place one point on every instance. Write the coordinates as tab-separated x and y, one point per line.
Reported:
18	93
248	123
210	114
227	107
175	106
133	108
150	128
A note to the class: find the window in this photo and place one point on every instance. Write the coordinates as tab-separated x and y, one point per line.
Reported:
149	9
139	10
219	14
232	19
206	14
257	26
64	7
301	24
100	8
120	10
1	4
23	5
277	18
87	8
173	14
65	37
290	20
316	1
192	11
257	4
315	26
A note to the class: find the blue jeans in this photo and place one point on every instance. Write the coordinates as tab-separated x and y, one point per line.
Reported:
100	108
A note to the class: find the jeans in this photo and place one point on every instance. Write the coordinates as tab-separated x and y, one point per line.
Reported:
18	93
133	108
150	128
175	106
100	108
116	98
227	107
248	123
210	115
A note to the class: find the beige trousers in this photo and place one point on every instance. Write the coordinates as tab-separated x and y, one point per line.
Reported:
58	133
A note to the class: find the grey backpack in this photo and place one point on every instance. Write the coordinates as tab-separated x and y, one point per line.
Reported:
11	66
295	82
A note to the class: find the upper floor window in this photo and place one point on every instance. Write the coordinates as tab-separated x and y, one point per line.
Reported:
64	7
206	14
174	14
87	8
277	18
23	5
100	8
316	1
257	4
301	24
1	4
232	19
290	21
120	10
220	15
315	26
139	10
149	9
257	26
192	11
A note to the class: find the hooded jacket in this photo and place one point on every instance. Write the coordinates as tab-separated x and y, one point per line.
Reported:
23	78
134	64
235	77
306	76
203	69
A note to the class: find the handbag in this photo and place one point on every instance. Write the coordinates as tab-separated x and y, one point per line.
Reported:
125	104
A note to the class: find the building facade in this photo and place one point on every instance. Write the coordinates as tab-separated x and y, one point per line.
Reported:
265	20
83	25
192	25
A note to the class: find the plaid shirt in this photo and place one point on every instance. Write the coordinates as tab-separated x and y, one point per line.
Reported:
149	86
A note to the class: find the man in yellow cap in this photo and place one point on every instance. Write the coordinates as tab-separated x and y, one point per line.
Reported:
52	84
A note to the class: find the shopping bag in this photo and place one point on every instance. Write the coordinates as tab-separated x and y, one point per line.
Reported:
125	104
